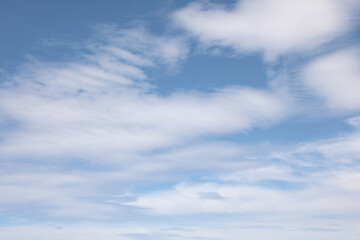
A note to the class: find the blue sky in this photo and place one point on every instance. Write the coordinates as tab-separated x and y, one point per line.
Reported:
224	120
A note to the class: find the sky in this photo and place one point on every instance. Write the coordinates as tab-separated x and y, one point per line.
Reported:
180	120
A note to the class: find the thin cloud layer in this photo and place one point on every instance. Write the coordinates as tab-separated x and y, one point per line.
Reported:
313	179
307	181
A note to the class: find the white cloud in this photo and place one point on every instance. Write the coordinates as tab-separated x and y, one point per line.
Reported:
101	104
306	180
336	78
54	195
310	179
275	27
330	193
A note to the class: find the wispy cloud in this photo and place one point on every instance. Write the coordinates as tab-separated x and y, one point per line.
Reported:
104	103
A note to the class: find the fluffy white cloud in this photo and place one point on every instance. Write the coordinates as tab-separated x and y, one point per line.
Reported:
336	78
273	26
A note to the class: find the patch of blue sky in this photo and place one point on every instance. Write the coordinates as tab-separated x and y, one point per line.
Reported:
11	219
203	72
151	186
296	130
282	185
26	25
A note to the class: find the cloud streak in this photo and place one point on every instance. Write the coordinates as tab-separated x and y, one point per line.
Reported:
104	103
